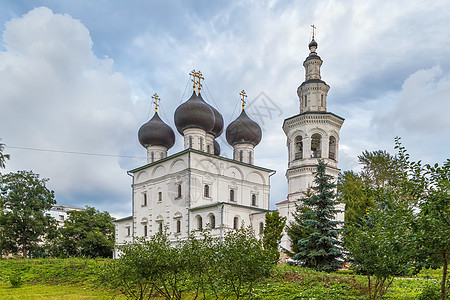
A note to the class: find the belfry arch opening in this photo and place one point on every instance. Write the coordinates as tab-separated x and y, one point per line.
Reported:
316	147
332	148
298	153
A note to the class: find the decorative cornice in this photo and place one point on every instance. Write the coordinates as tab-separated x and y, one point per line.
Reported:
313	118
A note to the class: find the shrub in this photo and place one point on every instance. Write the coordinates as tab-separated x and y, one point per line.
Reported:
15	281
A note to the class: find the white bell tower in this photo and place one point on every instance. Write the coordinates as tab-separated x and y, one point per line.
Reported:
312	134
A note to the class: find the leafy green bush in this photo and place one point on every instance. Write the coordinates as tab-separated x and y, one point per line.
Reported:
15	281
431	292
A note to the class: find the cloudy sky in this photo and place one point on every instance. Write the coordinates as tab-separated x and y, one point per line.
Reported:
77	76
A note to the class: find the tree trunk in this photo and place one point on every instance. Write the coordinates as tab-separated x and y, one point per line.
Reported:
24	250
444	277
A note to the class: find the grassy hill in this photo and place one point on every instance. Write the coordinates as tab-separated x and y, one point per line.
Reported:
78	278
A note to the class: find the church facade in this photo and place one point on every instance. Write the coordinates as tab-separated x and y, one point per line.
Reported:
198	188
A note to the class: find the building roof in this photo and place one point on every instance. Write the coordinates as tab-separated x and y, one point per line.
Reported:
156	133
123	219
201	153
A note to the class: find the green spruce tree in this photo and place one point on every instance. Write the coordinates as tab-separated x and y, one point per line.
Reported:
320	249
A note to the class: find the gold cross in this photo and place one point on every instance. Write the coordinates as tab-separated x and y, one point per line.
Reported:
313	27
156	99
194	75
243	95
199	84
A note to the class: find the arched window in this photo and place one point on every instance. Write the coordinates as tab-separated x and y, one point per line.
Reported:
316	147
206	191
161	155
159	196
241	155
201	144
332	148
199	222
144	201
321	100
160	226
145	230
178	226
190	142
208	148
232	195
261	228
236	223
250	157
253	199
153	156
298	148
306	100
212	221
178	190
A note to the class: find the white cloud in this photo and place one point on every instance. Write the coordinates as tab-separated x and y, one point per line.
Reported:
56	94
420	114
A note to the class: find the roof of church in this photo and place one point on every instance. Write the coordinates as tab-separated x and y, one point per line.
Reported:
283	202
123	219
202	153
243	130
156	133
195	113
313	81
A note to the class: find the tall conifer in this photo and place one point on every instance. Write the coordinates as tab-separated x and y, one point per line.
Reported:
321	250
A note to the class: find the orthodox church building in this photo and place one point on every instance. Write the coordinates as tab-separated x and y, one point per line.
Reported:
198	188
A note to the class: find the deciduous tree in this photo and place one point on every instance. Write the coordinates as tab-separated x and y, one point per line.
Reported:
24	199
273	232
88	232
429	187
3	157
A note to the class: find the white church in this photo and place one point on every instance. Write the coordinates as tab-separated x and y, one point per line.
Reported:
198	189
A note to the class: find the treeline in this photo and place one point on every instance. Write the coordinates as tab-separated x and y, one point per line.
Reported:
397	220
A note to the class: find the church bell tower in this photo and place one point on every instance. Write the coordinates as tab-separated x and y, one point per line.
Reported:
313	134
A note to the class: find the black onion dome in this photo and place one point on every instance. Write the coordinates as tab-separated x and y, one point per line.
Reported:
216	148
194	113
312	44
156	133
218	123
243	130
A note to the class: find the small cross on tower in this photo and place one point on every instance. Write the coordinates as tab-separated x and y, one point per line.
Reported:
313	28
243	96
155	100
